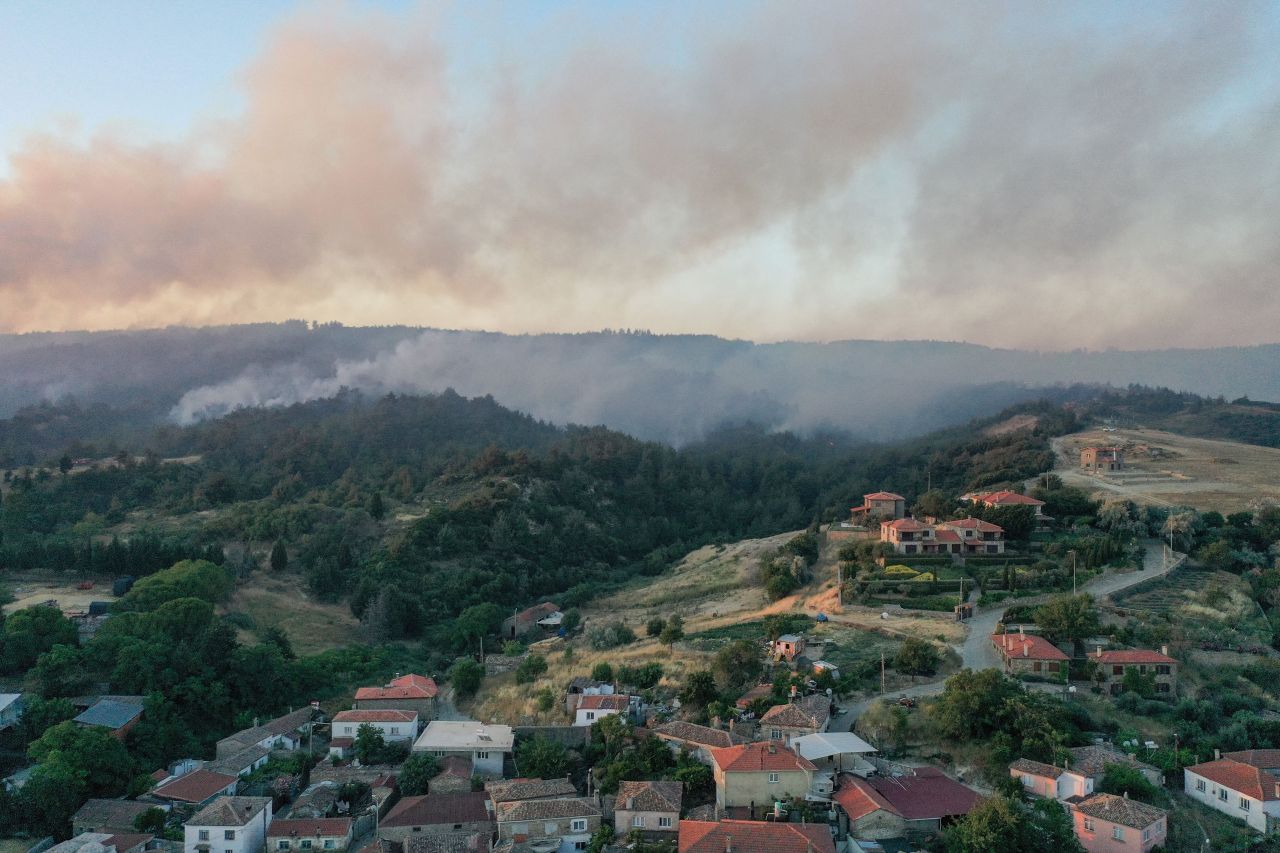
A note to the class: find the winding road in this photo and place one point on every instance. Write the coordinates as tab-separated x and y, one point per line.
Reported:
978	652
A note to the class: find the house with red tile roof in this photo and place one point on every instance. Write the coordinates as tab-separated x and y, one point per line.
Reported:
1099	459
879	505
438	814
403	693
593	709
753	776
746	836
892	806
326	833
1105	823
961	536
1114	664
806	716
1008	498
1238	788
198	787
1049	780
545	616
394	725
1030	654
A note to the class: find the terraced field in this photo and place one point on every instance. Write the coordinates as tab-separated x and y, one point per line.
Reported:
1168	593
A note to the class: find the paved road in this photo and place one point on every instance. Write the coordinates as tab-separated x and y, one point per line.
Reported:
978	652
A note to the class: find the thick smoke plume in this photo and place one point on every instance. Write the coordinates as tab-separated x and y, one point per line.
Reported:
1015	174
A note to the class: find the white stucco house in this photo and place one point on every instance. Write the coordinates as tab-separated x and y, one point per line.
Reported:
486	746
1244	785
229	825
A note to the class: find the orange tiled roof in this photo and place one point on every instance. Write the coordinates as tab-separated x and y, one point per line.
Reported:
905	525
757	757
1008	498
375	715
1131	656
1029	646
1238	776
883	496
972	524
604	703
753	836
1267	759
405	687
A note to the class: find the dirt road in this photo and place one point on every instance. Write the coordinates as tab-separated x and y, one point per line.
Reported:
978	652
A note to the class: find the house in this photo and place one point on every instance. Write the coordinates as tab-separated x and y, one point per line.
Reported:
880	505
745	836
329	833
103	842
592	709
242	763
394	725
961	536
835	751
514	790
402	693
1008	498
466	813
561	825
1114	664
109	816
788	647
1105	823
755	694
118	717
320	799
486	746
229	825
1241	789
583	686
285	732
756	775
806	716
380	778
1097	459
1050	781
697	740
454	776
1092	762
892	806
546	616
197	788
821	666
1030	654
649	808
10	709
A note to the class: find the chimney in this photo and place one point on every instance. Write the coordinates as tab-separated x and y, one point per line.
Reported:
1164	650
728	844
1022	629
1126	795
1217	754
1026	649
631	803
1099	651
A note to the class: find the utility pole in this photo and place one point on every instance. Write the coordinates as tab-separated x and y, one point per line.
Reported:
840	584
882	670
1073	572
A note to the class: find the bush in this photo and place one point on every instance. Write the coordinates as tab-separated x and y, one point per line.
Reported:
610	636
602	671
654	626
530	668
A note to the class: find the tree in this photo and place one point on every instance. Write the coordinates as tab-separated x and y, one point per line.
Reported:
613	729
698	780
1217	556
530	668
51	796
279	557
1128	781
654	626
885	723
1002	824
1068	617
416	773
737	666
1141	684
479	621
89	750
571	620
61	671
916	657
673	632
64	464
42	714
369	744
935	503
152	821
542	758
972	704
275	636
33	631
186	579
466	675
376	508
699	689
602	671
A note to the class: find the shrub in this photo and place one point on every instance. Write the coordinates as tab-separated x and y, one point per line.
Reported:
610	636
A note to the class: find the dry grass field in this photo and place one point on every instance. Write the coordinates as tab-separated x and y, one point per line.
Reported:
280	601
31	588
1168	469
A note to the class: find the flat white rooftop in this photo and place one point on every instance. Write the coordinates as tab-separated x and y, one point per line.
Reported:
457	735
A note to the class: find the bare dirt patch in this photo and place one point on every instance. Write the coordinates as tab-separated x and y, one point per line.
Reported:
1013	424
280	601
31	588
1163	468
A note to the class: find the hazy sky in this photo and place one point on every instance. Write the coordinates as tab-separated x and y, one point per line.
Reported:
1052	175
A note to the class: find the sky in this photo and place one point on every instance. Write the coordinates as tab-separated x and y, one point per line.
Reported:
1049	176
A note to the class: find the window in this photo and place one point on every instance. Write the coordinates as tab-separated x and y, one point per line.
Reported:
1035	667
909	549
1163	669
1199	784
591	715
229	834
1146	835
1117	670
775	734
438	753
773	778
346	730
203	834
395	730
638	820
1118	833
282	845
306	844
1244	804
1222	795
664	823
581	845
457	826
482	755
1026	780
578	825
1088	824
1162	688
328	844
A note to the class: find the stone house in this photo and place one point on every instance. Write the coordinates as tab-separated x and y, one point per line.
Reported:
649	808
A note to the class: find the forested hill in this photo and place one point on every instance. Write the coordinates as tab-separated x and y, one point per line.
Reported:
414	508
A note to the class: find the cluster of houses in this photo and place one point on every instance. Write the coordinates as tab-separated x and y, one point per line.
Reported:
1023	654
914	536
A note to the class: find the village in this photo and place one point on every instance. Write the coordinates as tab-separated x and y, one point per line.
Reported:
807	759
